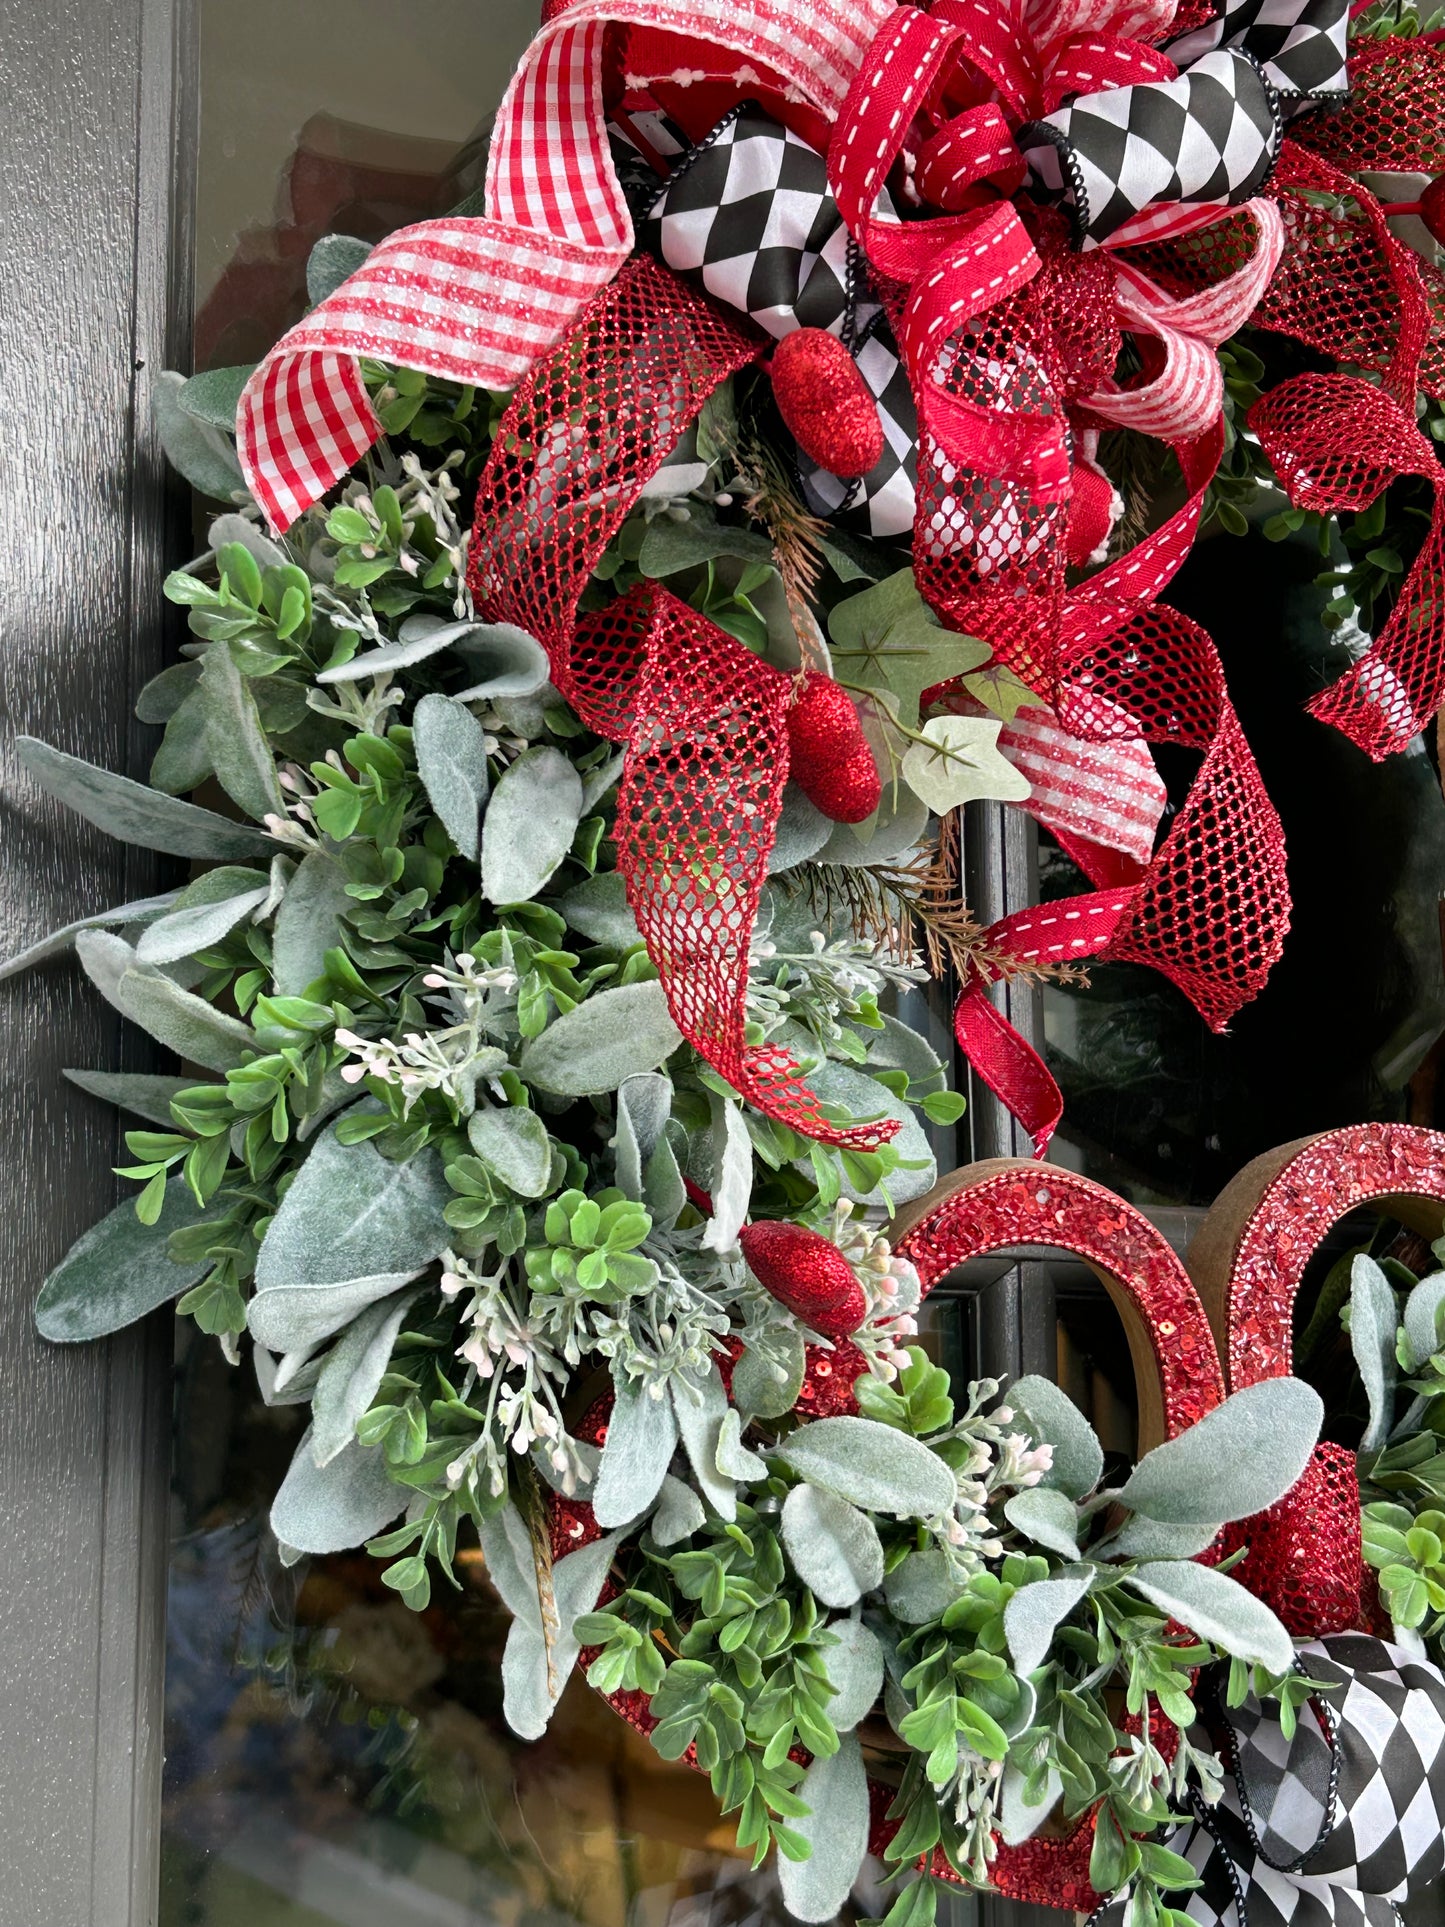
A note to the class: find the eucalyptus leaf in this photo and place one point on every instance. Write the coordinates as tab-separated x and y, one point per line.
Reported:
855	1670
184	1023
1218	1609
451	759
118	1271
194	448
134	814
1421	1320
641	1439
1052	1418
1035	1613
143	911
139	1092
307	923
335	1507
614	1035
1046	1517
598	908
235	740
680	1513
731	1189
197	927
332	260
529	825
1236	1461
835	1828
872	1466
834	1548
1374	1320
514	1145
352	1372
700	1401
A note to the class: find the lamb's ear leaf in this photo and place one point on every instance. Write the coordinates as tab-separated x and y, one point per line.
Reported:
503	661
142	912
195	927
451	759
597	907
701	1402
139	1092
332	260
644	1104
835	1828
306	923
1046	1517
514	1145
530	824
134	814
854	1666
732	1175
213	397
1236	1461
351	1373
1374	1322
920	1588
532	1679
118	1271
1052	1418
834	1548
680	1513
641	1439
194	448
612	1036
1421	1320
334	1507
235	740
757	1391
1034	1614
1215	1607
194	1029
872	1466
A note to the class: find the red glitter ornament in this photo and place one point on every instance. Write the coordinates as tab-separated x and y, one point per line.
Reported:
1430	207
826	404
808	1274
829	757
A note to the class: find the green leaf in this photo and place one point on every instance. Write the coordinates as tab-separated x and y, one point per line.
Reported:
680	1513
1212	1605
515	1147
598	908
1421	1320
959	762
888	638
644	1104
332	260
352	1228
239	752
614	1035
872	1466
118	1271
835	1829
921	1587
1374	1319
1052	1418
835	1548
451	759
861	1096
307	923
144	911
641	1437
1238	1460
198	451
529	825
352	1373
136	1091
670	547
757	1390
134	814
1035	1612
198	926
334	1507
1046	1517
214	397
184	1023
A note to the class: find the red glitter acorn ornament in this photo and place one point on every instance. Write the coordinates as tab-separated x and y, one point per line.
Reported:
826	404
808	1274
829	757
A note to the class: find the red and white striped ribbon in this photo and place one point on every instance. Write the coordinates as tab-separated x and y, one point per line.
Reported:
477	301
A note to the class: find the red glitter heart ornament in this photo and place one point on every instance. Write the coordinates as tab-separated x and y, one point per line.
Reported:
829	757
807	1274
826	404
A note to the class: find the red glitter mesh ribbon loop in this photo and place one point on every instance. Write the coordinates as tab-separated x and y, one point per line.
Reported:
704	721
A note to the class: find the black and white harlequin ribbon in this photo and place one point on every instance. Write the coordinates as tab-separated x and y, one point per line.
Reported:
1337	1825
1208	138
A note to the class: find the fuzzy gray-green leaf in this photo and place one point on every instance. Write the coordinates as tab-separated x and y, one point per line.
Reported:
598	908
353	1369
1374	1319
197	926
139	1092
194	448
872	1466
1218	1609
855	1670
1034	1614
186	1024
335	1507
701	1403
1052	1418
451	759
1239	1459
306	923
836	1828
834	1548
235	740
1046	1517
118	1271
134	814
641	1438
144	911
529	825
514	1145
612	1036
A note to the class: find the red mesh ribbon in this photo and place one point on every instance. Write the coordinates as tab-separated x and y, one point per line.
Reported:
1306	1554
703	720
1350	289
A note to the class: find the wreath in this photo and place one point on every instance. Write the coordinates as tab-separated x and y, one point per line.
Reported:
590	750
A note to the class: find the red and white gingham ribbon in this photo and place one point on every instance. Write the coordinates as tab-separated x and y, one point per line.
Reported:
477	301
